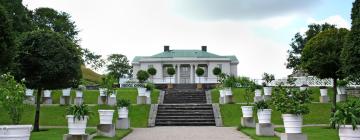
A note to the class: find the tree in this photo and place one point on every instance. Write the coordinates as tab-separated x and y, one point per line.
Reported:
19	15
94	60
298	43
171	72
50	19
118	66
350	54
7	42
321	56
199	72
152	72
48	60
142	76
217	71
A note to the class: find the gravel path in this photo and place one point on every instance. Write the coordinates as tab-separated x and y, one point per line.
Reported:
186	133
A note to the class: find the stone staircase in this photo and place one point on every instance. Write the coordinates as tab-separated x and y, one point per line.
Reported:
185	107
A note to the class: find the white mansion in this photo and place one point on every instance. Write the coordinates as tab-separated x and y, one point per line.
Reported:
185	63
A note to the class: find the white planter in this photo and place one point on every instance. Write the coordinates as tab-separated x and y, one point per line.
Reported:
267	91
147	93
292	123
123	112
347	133
323	92
228	91
257	92
29	92
15	132
106	116
102	91
341	90
79	94
247	111
47	93
141	91
222	93
76	127
264	116
303	88
66	92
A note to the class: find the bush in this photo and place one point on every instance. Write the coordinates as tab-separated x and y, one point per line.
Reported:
347	113
79	111
123	103
170	71
260	105
152	71
342	83
149	86
216	71
142	76
291	101
268	78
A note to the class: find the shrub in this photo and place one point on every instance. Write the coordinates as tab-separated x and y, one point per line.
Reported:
152	71
342	83
291	101
142	76
347	113
123	103
268	78
79	111
149	86
216	71
260	105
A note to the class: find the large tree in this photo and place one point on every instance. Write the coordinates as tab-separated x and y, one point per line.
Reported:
48	61
19	16
321	56
298	43
351	54
93	60
7	42
118	65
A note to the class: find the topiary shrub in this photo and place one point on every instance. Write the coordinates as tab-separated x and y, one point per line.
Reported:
142	76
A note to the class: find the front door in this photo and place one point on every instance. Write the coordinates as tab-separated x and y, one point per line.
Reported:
185	74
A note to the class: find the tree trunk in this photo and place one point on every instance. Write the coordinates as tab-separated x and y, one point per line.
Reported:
333	109
37	112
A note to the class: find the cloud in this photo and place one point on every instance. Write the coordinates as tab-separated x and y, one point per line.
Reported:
239	9
337	20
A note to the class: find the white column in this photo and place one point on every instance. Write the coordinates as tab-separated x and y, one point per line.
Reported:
178	74
191	73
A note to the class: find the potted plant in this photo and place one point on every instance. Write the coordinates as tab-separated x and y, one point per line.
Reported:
292	103
171	72
258	90
66	92
263	111
217	71
79	91
149	87
77	116
199	72
47	93
123	105
247	110
323	91
346	119
12	96
152	72
109	90
268	78
341	87
29	92
106	116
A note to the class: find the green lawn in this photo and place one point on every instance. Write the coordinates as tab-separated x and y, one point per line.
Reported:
319	114
317	133
251	132
57	134
55	115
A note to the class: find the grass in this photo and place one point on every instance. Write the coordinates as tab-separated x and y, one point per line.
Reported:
251	132
118	136
138	114
319	114
317	133
89	76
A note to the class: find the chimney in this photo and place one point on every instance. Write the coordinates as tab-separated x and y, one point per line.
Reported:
166	48
204	48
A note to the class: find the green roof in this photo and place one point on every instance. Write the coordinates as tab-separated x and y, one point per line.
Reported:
185	53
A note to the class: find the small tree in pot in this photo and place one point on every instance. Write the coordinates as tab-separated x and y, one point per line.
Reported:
263	111
292	103
217	71
77	116
123	110
247	110
152	72
171	72
108	84
347	119
199	72
142	76
268	78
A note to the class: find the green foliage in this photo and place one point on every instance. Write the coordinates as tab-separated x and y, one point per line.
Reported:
321	55
260	105
90	77
216	71
170	71
291	101
93	60
152	71
298	44
149	86
347	114
118	65
199	71
229	81
342	83
108	84
7	42
12	97
81	88
79	111
123	103
268	78
350	54
291	81
18	14
142	76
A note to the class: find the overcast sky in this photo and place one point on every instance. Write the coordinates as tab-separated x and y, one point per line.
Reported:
258	32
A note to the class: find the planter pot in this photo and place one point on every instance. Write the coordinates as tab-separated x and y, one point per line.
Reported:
102	91
15	132
222	93
47	93
341	90
123	112
247	111
141	91
264	116
66	92
199	86
106	116
79	94
292	123
347	133
76	127
267	91
303	88
29	92
323	92
228	91
257	92
147	93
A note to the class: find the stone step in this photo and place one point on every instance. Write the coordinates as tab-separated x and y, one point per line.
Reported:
184	114
185	111
188	117
185	123
185	107
185	120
